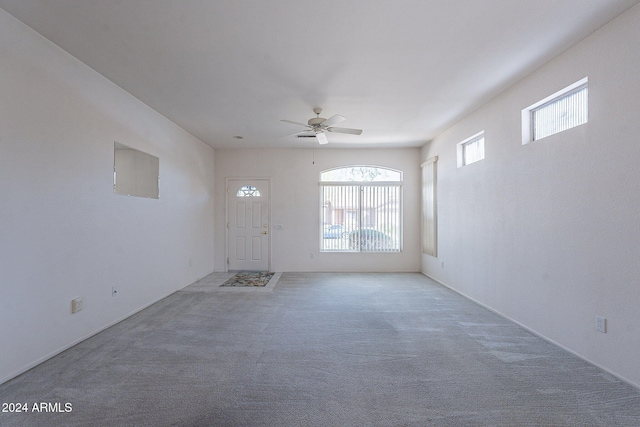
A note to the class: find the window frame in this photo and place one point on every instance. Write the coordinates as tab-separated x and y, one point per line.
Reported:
460	148
527	113
360	186
248	191
430	206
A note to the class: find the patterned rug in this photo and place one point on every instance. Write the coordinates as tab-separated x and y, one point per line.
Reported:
249	279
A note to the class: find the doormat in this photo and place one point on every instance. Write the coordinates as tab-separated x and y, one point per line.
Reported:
249	279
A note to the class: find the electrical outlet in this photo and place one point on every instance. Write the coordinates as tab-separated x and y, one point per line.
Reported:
76	305
601	324
114	291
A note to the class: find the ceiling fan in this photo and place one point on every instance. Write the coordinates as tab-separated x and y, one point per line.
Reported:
319	125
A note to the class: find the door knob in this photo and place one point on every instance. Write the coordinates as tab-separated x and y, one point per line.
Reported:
264	232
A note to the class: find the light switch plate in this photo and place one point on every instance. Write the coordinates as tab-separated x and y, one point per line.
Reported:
601	324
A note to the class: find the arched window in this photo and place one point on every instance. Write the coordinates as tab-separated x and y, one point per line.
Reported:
248	191
361	209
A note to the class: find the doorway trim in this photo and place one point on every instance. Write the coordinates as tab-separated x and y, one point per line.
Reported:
226	217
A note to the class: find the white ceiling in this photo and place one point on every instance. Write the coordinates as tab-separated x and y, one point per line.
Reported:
402	70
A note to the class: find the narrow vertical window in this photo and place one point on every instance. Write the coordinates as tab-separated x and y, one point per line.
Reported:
429	208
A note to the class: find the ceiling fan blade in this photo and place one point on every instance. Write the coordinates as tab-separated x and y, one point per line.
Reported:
304	134
301	134
333	120
322	138
346	130
295	123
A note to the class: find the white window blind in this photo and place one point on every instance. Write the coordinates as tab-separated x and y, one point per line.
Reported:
471	149
362	213
558	112
429	208
369	216
561	114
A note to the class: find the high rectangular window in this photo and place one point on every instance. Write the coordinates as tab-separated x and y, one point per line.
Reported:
563	110
471	149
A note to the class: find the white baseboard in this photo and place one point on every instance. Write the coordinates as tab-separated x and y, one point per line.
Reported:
533	331
42	359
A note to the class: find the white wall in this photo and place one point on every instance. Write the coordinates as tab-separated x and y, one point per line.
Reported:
63	232
548	233
295	202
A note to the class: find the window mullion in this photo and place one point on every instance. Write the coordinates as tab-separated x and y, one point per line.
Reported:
360	219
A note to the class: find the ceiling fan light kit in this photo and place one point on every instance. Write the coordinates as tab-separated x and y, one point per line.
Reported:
317	126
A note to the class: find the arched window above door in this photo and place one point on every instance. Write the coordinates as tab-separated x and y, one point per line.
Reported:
248	191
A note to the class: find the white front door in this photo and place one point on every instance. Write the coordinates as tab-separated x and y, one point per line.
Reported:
248	224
